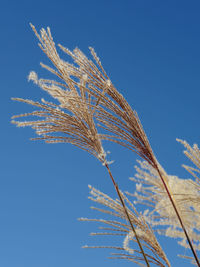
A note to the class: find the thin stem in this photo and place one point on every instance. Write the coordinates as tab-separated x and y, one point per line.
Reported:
177	213
127	214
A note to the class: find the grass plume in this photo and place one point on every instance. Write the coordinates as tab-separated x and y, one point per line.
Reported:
89	110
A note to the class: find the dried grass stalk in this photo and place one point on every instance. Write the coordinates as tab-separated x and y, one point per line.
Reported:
86	95
72	120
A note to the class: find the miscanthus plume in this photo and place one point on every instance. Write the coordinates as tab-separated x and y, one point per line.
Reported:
80	93
86	110
186	193
114	224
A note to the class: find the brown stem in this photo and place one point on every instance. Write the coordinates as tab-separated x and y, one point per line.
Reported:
177	213
127	214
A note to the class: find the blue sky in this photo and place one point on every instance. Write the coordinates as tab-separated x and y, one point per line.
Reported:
151	51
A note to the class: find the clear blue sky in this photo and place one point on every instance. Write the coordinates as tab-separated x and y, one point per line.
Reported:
151	50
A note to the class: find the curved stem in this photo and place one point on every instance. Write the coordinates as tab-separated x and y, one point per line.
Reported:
127	215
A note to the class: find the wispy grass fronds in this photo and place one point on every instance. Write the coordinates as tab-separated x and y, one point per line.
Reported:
73	119
186	194
86	91
87	102
193	153
57	126
120	227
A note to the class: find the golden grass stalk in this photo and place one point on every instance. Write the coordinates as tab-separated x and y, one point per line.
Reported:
127	214
87	94
72	120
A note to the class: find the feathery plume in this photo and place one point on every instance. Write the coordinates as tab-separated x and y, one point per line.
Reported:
85	96
186	194
193	153
120	227
74	117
